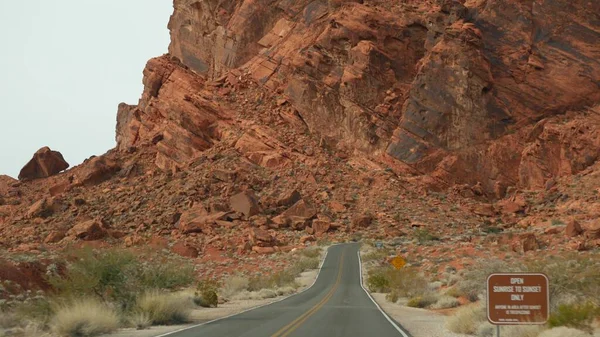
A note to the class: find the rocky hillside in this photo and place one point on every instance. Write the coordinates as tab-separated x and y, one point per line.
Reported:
457	128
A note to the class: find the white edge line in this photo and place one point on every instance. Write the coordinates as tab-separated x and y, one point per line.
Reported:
257	307
373	300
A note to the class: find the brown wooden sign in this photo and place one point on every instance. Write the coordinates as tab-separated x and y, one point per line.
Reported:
518	299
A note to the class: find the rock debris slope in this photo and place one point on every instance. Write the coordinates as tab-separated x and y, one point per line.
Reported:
271	124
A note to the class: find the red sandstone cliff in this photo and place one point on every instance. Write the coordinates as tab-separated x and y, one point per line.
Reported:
497	92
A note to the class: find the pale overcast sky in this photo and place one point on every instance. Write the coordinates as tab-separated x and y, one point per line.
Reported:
65	65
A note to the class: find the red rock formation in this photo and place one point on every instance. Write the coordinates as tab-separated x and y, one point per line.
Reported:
45	163
460	92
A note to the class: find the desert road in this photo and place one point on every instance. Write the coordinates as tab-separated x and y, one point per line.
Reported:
335	306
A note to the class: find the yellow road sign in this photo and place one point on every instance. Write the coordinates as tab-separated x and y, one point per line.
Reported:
398	262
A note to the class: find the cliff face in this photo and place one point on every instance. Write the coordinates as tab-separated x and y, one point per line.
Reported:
465	92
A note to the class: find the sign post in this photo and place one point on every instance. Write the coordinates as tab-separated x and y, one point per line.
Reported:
517	299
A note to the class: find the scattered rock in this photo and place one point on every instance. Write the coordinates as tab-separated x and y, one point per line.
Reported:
45	163
307	238
300	210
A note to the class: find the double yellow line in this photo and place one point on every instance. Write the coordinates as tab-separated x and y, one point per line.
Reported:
288	329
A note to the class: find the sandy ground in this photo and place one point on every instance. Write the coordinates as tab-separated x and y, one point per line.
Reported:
419	322
202	315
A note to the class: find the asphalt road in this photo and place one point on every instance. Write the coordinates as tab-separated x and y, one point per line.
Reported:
336	305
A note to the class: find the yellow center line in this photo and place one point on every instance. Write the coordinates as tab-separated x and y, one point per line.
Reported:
288	329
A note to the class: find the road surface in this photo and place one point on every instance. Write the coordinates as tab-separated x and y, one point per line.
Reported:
336	305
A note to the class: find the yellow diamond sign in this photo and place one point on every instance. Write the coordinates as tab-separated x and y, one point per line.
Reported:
398	262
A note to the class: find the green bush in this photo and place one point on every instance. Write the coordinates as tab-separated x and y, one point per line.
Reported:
166	275
579	316
375	255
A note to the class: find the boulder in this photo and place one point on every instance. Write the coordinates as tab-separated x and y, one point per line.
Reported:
182	249
97	170
200	223
263	250
363	220
573	229
288	198
300	210
525	243
321	227
54	237
245	203
45	163
592	231
88	230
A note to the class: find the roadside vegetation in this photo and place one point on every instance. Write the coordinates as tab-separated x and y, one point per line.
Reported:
261	286
100	291
574	292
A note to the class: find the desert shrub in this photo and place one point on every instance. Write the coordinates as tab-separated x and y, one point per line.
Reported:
164	308
378	281
140	320
564	332
105	274
313	253
423	235
8	320
118	276
406	282
233	285
445	302
453	292
467	319
375	255
423	301
579	316
166	275
37	309
84	317
392	296
206	294
285	291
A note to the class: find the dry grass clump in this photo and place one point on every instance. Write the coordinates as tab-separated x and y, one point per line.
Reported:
423	301
467	319
164	309
84	317
140	320
445	302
